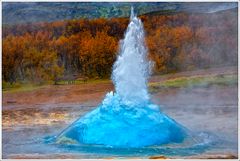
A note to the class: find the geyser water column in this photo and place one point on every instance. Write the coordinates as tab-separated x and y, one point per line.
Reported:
126	118
131	70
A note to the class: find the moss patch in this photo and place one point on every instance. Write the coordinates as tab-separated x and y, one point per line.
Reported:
195	81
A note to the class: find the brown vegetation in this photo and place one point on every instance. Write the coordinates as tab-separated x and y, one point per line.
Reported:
88	48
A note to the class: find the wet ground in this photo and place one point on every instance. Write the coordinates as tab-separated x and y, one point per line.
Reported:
30	116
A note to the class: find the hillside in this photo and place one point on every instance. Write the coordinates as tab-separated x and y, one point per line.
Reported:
65	50
28	12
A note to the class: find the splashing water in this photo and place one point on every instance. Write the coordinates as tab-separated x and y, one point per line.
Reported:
131	69
126	118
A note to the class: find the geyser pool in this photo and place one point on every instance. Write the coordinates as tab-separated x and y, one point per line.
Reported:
126	118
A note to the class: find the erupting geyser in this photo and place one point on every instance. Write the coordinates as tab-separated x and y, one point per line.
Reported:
126	118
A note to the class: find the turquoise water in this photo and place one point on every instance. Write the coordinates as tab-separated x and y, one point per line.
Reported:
30	142
115	124
197	144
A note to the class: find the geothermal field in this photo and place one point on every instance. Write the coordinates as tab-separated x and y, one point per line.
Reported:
209	111
107	88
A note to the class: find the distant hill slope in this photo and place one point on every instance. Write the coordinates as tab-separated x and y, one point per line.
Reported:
28	12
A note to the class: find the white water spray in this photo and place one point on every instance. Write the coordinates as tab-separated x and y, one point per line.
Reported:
132	69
